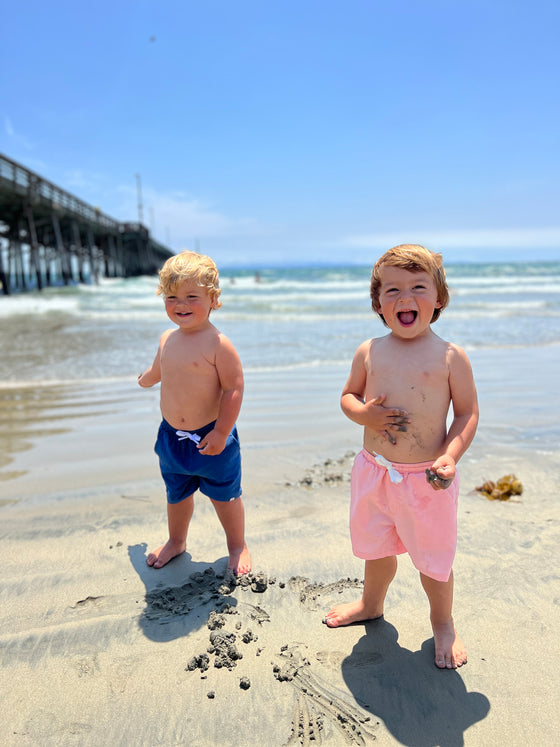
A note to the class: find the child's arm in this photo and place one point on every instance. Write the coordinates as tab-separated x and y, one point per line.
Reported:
230	373
371	414
465	415
153	374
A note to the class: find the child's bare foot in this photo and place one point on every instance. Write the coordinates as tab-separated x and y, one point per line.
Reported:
351	612
450	652
239	561
160	557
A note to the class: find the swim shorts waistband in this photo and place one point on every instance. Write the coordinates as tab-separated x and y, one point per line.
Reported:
401	467
195	434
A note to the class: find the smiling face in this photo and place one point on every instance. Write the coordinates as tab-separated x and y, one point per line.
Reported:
189	305
407	301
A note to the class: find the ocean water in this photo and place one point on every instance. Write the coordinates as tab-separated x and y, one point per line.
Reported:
283	319
70	408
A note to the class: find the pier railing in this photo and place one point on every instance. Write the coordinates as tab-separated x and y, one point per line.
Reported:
50	237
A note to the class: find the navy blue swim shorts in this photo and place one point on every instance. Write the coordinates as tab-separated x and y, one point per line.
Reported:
184	469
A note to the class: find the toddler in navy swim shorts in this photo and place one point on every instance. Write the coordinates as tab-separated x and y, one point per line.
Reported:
201	392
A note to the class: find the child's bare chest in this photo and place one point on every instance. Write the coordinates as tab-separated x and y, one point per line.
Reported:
418	382
183	356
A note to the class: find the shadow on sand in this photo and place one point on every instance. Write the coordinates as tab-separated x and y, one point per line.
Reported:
180	595
421	705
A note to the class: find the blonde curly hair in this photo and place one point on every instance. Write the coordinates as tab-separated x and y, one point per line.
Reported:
190	266
414	258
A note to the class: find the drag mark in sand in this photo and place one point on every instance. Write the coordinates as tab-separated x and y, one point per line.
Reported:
87	602
310	593
318	707
239	630
202	589
199	590
316	702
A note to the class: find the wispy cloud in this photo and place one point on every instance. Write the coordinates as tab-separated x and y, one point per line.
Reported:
16	138
181	217
491	238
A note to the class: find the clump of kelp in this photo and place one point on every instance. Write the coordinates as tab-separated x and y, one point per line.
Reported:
502	489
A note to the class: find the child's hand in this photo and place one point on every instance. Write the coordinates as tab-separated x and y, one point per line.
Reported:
212	444
385	419
442	472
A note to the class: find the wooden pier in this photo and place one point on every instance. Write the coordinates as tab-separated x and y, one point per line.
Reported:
49	237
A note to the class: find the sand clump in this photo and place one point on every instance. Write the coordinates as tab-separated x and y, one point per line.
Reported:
331	472
231	638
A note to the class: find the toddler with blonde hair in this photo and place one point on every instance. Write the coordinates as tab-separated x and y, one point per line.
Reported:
201	392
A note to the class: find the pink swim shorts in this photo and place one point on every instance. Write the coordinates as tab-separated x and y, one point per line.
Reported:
391	516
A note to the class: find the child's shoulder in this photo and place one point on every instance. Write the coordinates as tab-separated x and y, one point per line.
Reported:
450	350
375	343
211	338
166	335
365	351
451	347
367	345
456	353
223	341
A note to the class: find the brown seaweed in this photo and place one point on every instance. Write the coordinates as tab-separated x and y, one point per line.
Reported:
502	489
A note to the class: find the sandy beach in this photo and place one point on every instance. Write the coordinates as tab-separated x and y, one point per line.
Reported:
97	648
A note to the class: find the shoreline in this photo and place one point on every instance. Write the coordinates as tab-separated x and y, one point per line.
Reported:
53	434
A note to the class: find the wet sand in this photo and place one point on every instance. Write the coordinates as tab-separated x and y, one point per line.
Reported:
97	648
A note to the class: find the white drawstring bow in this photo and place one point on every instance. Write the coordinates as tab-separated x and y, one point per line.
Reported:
394	475
191	436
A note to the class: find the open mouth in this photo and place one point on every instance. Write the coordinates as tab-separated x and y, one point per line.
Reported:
406	318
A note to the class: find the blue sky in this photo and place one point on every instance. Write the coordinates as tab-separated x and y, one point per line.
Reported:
296	131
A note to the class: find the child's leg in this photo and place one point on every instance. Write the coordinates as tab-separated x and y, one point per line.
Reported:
378	576
178	519
232	517
450	652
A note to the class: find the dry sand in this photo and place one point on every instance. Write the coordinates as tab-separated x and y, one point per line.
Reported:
97	648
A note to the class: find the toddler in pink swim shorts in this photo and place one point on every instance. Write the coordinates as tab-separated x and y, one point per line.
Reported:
404	484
